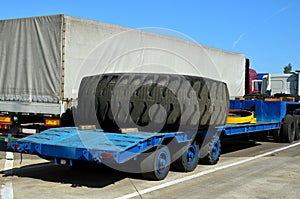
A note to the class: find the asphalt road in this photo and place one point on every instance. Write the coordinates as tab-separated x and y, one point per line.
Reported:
246	170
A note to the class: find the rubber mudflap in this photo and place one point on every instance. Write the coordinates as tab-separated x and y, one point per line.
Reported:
152	102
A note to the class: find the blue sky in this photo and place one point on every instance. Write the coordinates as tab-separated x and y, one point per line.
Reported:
267	31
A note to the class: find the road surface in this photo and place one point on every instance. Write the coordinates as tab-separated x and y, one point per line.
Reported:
246	170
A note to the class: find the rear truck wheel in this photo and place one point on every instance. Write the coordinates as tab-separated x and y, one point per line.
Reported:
288	129
188	161
277	135
210	151
157	165
297	127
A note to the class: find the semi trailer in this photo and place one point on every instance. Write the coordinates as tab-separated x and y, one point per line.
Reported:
147	102
152	153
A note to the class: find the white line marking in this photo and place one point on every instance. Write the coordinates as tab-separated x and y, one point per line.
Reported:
180	180
7	190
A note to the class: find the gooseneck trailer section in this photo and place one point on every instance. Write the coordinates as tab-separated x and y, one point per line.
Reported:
270	116
69	145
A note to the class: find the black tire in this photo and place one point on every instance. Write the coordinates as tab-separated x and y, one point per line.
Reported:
288	129
146	94
277	135
297	127
210	151
188	161
157	165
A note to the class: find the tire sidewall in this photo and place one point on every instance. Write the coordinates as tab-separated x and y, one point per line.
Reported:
289	128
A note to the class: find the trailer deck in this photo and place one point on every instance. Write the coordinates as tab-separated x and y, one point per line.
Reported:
234	129
100	146
93	145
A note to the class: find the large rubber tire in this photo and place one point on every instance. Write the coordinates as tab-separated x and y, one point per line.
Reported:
210	151
157	165
297	127
288	129
145	94
188	161
277	135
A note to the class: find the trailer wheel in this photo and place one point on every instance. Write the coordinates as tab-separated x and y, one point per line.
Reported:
277	135
297	127
157	165
288	129
211	151
188	161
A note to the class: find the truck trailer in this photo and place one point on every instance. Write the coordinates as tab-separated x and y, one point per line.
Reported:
181	88
44	59
152	153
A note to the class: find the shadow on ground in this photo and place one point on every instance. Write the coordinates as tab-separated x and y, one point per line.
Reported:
229	146
88	176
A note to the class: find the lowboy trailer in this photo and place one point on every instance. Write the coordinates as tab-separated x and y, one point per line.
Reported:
71	145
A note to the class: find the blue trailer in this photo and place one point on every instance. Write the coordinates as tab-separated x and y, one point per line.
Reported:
153	153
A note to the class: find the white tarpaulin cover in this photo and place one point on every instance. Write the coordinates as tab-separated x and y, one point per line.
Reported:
30	59
116	49
43	59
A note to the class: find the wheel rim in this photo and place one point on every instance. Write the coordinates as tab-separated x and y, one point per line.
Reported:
191	154
216	149
162	162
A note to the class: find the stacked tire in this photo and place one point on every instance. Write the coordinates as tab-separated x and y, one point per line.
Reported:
152	102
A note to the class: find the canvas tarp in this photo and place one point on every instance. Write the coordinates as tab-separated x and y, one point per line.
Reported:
30	59
95	48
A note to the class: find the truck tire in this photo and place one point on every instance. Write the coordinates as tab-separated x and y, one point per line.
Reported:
188	161
146	94
297	127
210	151
277	135
288	129
156	166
